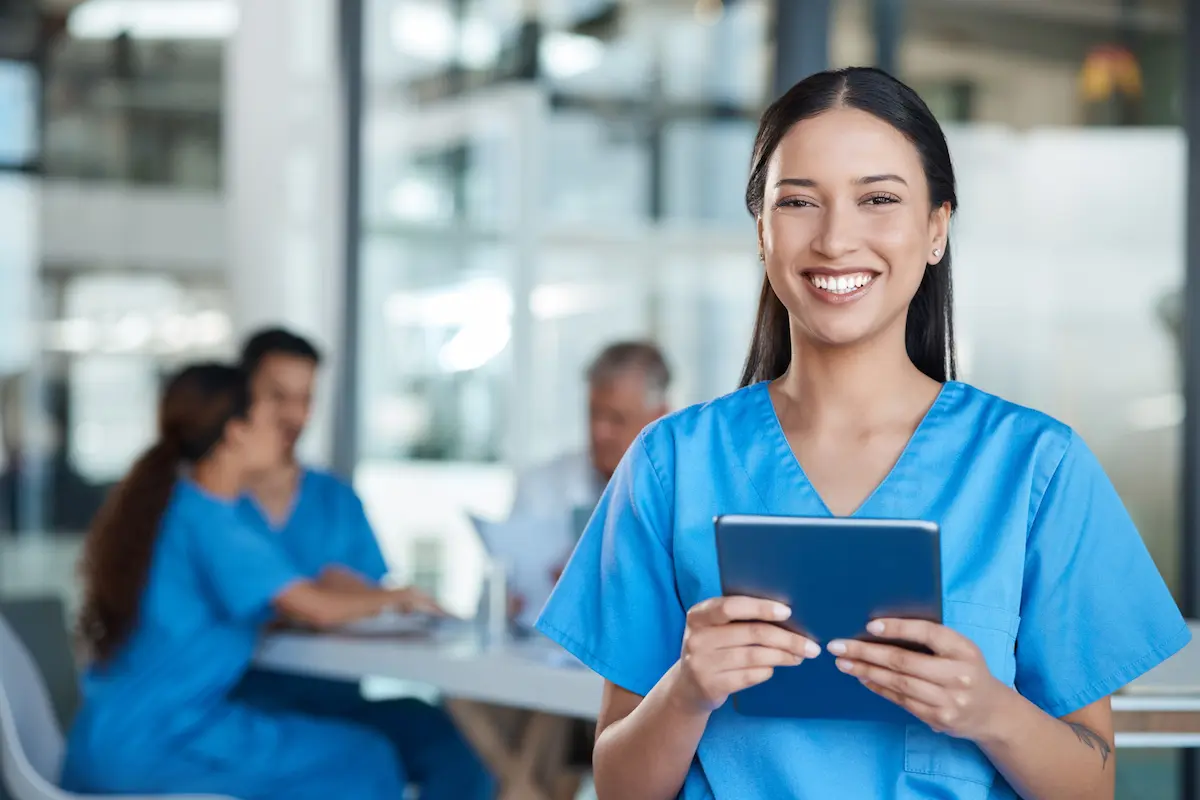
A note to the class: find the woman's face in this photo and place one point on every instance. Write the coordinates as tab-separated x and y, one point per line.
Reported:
846	229
258	439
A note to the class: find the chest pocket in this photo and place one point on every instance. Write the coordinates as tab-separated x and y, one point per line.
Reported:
994	631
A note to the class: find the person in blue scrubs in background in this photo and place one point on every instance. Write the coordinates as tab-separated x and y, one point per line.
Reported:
849	407
177	589
319	521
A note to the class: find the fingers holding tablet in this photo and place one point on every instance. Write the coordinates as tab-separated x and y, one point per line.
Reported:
732	643
953	690
723	610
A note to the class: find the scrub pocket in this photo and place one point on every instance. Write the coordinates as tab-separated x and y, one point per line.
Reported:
994	630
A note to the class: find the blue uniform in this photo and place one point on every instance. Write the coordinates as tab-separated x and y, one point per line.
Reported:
327	527
1042	569
158	718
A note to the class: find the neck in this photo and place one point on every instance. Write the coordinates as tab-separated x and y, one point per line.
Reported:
273	481
858	384
218	476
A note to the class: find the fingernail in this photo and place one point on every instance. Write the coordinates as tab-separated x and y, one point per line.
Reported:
875	627
812	649
844	665
836	647
781	611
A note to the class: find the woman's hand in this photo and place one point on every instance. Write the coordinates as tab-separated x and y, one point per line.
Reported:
411	600
732	643
952	691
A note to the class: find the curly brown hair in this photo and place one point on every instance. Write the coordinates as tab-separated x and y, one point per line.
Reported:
197	405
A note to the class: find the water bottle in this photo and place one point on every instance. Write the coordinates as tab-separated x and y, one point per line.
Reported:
495	631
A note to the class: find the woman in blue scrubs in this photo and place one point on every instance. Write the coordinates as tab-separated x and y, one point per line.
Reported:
849	407
177	591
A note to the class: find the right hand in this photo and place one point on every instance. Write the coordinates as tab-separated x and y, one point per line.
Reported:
411	600
731	643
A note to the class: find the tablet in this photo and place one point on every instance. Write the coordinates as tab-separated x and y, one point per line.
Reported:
836	574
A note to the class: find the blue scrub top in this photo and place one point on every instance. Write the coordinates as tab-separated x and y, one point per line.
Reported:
210	588
1042	568
327	526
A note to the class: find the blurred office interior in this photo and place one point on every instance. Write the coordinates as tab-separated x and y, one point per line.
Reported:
463	200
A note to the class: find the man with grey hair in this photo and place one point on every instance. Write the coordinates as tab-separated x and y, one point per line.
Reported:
627	390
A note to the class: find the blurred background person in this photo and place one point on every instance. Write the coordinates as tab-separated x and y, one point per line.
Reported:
177	590
319	522
317	516
628	384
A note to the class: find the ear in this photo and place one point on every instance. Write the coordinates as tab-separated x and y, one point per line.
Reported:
939	233
758	222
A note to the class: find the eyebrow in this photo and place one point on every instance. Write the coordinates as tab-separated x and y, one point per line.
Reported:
810	183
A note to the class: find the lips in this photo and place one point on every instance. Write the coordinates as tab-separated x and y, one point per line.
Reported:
840	286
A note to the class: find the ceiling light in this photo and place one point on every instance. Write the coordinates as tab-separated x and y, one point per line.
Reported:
565	55
424	31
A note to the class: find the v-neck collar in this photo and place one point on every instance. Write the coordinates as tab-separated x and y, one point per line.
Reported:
286	520
785	488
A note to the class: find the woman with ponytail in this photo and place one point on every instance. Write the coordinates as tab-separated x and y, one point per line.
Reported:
176	592
849	407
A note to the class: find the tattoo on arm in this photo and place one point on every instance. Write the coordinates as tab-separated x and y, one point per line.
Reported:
1092	740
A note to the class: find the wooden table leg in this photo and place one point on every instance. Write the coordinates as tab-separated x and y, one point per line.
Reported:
516	771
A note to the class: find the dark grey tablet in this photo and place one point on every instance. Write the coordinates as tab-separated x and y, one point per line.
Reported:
836	574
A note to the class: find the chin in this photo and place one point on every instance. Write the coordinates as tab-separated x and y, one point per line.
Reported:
840	333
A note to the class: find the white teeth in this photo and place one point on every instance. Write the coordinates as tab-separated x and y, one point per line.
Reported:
842	284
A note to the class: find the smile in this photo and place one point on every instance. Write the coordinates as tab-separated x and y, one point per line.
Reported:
846	284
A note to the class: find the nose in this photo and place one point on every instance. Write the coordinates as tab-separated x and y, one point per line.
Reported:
837	235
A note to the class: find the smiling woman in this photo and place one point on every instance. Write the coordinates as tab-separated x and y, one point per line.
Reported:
849	407
788	205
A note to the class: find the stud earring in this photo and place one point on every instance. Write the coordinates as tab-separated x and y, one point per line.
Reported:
937	253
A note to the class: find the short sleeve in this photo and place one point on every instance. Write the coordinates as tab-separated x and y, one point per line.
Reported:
362	552
616	607
244	570
1095	612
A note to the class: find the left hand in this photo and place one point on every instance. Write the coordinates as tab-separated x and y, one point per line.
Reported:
952	691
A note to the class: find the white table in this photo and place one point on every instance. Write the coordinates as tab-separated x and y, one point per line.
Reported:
525	675
534	676
517	674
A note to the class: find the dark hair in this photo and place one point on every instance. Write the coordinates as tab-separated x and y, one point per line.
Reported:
197	405
929	334
643	357
276	341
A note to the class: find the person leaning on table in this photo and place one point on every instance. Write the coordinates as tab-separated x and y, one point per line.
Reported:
849	407
177	590
319	523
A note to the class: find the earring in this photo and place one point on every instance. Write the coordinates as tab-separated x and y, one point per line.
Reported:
761	256
937	253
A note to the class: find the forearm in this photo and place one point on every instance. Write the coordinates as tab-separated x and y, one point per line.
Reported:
647	755
322	607
342	579
1044	758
